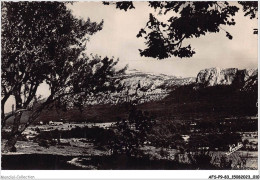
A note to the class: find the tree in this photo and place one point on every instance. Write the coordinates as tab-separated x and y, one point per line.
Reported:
42	42
132	133
188	19
202	159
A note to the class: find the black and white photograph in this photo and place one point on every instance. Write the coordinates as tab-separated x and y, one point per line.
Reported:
129	85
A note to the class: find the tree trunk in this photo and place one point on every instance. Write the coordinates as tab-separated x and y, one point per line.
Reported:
3	120
10	144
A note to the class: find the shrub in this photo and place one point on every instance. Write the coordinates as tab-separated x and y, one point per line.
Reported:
132	133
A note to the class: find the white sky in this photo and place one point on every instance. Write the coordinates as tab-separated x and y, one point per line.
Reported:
118	39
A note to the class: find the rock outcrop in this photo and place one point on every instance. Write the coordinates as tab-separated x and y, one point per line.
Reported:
151	83
146	87
229	76
251	82
142	86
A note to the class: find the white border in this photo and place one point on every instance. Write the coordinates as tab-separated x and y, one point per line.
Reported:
127	174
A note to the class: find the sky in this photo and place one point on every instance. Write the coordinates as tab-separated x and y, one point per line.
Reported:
118	39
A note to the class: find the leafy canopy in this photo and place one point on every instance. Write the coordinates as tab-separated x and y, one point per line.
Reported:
42	42
188	19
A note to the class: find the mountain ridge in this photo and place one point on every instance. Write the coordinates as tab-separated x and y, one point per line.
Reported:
225	76
181	94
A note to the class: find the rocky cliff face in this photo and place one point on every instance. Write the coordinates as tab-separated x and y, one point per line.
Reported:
150	83
144	87
218	76
150	87
251	82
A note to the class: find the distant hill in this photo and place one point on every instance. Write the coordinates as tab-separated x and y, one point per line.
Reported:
214	91
231	76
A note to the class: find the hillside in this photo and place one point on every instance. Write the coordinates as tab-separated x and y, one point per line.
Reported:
229	76
147	86
215	91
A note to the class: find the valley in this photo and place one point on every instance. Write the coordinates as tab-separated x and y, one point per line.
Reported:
192	120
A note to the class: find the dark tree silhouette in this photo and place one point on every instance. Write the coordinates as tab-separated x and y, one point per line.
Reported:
188	19
132	133
43	43
250	8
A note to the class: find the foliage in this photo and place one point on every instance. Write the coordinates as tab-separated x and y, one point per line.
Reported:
132	133
97	135
125	5
187	19
250	8
225	163
164	153
212	141
201	160
43	43
167	134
